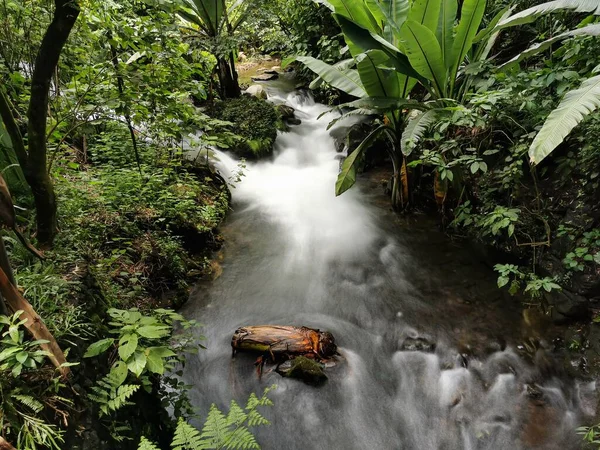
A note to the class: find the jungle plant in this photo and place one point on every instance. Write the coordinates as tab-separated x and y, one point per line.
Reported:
143	347
216	23
220	431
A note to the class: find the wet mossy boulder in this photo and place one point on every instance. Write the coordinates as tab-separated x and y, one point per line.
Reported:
254	120
305	369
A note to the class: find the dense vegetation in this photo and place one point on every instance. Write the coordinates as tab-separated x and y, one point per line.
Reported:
102	103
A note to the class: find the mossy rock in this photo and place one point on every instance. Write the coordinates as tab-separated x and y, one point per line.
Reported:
305	369
254	120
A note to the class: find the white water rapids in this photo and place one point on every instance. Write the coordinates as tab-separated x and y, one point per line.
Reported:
297	255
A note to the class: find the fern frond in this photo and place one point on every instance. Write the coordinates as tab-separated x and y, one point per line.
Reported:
187	437
29	402
255	419
240	438
236	415
415	128
574	107
215	429
145	444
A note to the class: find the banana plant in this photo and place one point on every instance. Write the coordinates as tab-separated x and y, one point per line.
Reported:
577	104
215	20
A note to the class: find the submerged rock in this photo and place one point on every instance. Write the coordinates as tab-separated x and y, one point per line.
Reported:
303	368
418	344
293	121
266	77
286	112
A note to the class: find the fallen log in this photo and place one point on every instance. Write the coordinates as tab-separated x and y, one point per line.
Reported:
284	342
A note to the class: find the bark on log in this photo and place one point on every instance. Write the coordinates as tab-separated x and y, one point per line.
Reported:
284	341
35	324
5	445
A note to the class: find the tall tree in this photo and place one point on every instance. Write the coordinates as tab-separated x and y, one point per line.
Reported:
33	157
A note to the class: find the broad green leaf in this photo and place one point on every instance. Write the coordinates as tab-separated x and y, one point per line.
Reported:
488	36
445	31
471	16
154	362
346	80
531	14
127	345
154	331
396	13
118	373
378	80
343	65
574	107
98	347
137	363
589	30
425	54
358	12
211	13
417	124
5	354
347	176
426	13
22	357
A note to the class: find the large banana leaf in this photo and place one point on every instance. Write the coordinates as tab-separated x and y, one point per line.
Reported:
574	107
589	30
488	36
347	176
378	80
346	80
471	16
210	12
361	40
358	12
426	13
445	30
396	13
531	14
343	65
418	123
425	54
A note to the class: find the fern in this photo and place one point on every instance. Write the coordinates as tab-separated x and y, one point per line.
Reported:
145	444
111	394
221	431
29	402
574	107
186	437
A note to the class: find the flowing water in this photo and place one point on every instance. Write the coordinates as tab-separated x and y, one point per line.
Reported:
297	255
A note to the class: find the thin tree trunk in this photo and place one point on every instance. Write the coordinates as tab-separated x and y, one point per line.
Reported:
56	36
5	265
34	324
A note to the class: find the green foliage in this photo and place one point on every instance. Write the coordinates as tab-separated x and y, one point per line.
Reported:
221	430
254	121
145	347
23	403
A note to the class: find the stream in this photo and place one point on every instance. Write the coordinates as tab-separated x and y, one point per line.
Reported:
389	289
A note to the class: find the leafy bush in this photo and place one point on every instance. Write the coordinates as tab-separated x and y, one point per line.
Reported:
254	120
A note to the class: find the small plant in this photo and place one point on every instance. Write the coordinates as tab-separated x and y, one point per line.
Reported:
591	434
142	348
514	277
220	431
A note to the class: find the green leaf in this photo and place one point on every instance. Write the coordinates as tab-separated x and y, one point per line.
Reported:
155	362
418	122
22	357
426	13
118	373
127	345
145	444
137	363
378	81
357	12
154	331
396	13
346	80
347	176
425	54
531	14
574	107
471	16
98	347
445	31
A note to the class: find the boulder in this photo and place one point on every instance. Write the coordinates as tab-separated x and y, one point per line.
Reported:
303	368
293	121
285	111
257	91
417	344
242	56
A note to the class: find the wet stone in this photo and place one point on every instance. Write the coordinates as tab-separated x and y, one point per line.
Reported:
418	344
303	368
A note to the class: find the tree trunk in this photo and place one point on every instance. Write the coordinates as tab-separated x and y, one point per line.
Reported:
230	87
36	173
